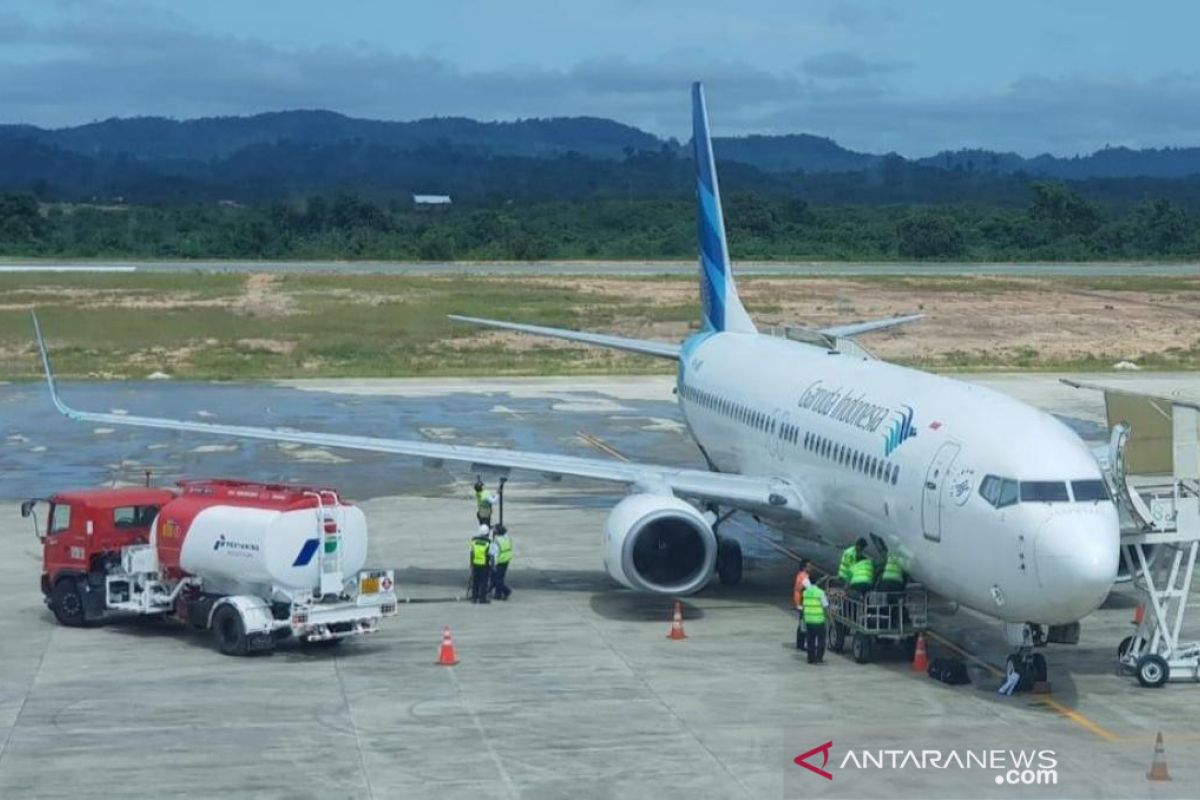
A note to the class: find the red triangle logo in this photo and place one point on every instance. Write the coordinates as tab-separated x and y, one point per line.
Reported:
802	760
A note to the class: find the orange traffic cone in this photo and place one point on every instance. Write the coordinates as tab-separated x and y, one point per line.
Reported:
920	656
677	623
1139	613
447	657
1158	768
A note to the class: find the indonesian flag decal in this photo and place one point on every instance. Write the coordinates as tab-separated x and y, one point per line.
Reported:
933	426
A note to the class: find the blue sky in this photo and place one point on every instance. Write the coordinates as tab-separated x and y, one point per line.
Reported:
916	77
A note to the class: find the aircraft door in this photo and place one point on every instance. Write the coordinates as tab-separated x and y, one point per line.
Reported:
931	495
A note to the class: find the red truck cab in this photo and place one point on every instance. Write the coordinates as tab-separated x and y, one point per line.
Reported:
84	533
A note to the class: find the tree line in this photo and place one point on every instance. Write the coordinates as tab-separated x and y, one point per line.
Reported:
1054	223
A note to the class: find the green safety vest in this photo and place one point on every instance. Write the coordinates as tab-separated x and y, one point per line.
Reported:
814	612
846	565
479	552
505	554
483	502
892	571
863	572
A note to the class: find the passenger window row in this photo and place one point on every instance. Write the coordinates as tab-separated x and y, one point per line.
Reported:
848	457
1001	492
738	412
876	468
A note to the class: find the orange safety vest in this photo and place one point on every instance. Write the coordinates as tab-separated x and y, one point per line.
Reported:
798	587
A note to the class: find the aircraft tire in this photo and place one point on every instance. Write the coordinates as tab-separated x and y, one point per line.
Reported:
729	562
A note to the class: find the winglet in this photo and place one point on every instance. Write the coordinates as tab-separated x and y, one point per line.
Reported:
62	407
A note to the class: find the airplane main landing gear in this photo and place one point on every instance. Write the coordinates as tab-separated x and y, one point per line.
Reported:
729	551
729	562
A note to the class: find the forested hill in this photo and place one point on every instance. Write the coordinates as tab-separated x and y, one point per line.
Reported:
161	139
156	138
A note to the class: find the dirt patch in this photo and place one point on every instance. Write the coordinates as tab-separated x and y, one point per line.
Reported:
1041	320
276	346
263	298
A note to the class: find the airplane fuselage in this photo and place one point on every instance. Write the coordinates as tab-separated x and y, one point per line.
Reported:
987	501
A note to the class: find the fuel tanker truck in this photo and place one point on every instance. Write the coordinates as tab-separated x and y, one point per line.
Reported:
254	563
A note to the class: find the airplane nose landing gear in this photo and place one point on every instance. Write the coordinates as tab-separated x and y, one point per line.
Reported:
1023	668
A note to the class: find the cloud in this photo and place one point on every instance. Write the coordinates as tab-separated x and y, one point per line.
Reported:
855	17
843	64
102	61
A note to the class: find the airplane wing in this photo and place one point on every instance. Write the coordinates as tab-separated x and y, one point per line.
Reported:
736	491
857	328
643	346
665	349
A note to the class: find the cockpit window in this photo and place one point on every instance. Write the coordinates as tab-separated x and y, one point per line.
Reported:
1089	491
1044	492
1000	492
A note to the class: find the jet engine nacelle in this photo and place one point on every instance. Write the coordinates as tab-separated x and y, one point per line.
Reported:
658	543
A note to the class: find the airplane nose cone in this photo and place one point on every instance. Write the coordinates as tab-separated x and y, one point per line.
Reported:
1077	557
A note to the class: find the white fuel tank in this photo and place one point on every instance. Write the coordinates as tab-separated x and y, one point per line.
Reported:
270	546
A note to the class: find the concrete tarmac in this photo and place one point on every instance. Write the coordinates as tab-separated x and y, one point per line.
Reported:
569	690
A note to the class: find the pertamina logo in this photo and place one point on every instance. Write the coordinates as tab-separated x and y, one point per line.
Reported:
802	760
234	547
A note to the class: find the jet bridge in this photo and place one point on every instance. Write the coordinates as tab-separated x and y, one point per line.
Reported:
1154	468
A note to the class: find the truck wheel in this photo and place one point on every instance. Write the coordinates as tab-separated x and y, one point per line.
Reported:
229	631
67	603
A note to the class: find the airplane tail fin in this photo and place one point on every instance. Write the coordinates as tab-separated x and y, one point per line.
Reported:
723	310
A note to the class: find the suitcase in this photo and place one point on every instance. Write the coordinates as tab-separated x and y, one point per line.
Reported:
949	670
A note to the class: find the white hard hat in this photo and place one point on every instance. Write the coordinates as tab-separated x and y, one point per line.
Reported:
807	583
484	530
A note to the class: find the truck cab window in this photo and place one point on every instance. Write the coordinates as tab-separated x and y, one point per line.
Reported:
60	518
134	516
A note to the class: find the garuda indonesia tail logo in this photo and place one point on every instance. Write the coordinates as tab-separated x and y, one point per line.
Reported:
902	430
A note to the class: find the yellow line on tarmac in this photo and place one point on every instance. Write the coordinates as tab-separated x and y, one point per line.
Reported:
1049	702
601	445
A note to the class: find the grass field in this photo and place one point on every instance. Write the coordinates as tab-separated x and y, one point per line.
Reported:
236	326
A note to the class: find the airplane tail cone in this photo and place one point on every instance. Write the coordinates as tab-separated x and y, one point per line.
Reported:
677	623
921	655
447	656
1158	768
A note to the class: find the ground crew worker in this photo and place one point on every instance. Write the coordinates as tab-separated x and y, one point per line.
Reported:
892	578
481	570
849	556
504	554
815	604
862	575
892	582
484	500
797	592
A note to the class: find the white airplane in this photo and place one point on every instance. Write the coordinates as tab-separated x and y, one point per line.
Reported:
989	502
